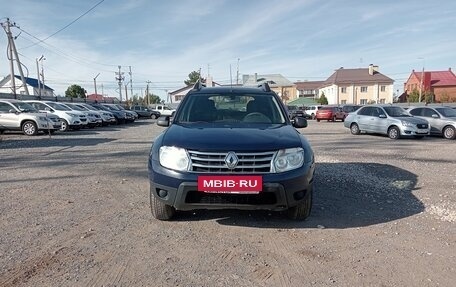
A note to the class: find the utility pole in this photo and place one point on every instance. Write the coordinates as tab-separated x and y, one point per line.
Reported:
42	72
126	93
237	73
120	78
147	93
12	50
131	82
38	76
95	83
421	80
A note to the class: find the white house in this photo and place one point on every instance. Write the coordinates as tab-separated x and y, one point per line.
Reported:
32	85
358	86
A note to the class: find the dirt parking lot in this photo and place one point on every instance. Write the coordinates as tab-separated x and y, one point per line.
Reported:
75	212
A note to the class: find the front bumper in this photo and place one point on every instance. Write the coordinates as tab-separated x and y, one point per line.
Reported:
280	190
413	131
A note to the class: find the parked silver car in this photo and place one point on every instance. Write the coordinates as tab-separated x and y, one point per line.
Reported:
18	115
441	119
389	120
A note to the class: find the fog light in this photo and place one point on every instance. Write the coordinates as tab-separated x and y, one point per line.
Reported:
299	195
162	193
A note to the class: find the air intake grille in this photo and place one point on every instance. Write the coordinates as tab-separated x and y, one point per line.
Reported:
214	162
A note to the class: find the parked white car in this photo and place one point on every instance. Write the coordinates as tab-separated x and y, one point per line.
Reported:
311	111
106	117
93	119
69	118
163	110
17	115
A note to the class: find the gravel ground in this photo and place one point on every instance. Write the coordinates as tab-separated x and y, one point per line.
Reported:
75	212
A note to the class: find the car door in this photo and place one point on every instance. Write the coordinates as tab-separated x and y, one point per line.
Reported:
7	119
363	118
379	123
434	119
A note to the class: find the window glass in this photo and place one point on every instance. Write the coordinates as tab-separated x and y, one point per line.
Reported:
416	112
447	112
4	107
365	111
429	112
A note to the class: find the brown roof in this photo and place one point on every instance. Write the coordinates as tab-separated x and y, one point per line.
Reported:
356	76
309	85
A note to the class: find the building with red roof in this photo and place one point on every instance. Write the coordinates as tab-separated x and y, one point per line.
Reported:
442	84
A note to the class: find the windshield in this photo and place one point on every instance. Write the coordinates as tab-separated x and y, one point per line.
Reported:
58	107
447	112
75	107
396	112
231	108
24	107
112	108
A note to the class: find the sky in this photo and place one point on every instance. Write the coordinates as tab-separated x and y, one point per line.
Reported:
163	41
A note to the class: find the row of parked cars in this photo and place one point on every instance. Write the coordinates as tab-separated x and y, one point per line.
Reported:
395	121
33	116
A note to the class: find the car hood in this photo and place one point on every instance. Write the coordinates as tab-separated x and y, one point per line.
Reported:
413	120
213	138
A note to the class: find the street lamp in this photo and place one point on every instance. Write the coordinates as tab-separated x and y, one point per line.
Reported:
95	83
421	80
38	73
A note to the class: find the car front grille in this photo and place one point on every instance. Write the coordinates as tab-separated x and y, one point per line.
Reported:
214	162
422	126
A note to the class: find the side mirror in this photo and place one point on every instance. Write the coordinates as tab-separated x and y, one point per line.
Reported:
12	111
163	121
382	116
435	116
299	122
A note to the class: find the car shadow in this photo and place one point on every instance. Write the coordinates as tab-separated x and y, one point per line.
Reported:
346	195
51	142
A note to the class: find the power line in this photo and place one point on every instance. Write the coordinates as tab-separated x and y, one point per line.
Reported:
66	26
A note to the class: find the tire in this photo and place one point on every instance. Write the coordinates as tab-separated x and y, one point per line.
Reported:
302	210
394	133
354	129
318	120
312	116
449	133
65	127
418	137
153	116
29	128
52	131
160	210
334	118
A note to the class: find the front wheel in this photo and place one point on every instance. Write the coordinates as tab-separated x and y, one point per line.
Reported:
153	116
354	129
160	210
29	128
394	133
449	133
302	210
334	118
64	126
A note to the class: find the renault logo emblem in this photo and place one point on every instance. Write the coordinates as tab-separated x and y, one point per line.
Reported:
231	160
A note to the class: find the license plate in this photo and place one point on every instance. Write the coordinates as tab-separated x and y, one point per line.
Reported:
422	132
230	184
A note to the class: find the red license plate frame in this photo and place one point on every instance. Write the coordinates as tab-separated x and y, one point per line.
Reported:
231	184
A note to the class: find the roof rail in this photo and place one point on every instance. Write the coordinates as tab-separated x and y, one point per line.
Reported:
199	85
265	87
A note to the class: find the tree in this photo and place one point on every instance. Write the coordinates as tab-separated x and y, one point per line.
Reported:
322	100
193	77
75	91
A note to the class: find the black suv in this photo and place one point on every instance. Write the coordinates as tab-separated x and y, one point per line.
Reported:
231	147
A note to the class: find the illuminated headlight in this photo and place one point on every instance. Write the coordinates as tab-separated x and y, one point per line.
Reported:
72	115
406	124
288	159
174	158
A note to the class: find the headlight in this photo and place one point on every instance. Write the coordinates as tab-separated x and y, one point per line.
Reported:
174	158
72	115
288	159
406	124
